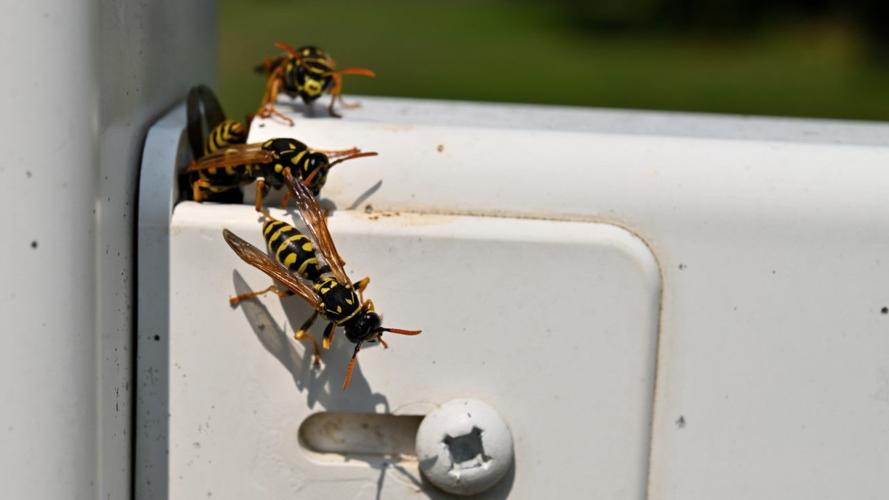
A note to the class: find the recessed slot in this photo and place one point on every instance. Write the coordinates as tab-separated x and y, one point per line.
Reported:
340	434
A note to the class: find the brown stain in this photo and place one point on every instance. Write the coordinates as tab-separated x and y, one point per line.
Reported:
409	218
440	148
398	128
377	215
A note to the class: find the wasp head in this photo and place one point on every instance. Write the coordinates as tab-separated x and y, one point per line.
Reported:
365	326
315	166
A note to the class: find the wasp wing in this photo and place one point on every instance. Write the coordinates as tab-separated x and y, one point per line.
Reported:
233	156
316	222
253	256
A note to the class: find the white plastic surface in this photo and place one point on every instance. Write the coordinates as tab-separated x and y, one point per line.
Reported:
771	368
773	374
464	447
564	353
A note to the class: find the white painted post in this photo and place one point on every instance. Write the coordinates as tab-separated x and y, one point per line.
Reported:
83	79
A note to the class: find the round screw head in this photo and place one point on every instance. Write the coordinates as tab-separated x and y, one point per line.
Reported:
464	447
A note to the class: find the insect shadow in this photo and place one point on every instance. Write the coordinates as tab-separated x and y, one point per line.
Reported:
317	109
321	386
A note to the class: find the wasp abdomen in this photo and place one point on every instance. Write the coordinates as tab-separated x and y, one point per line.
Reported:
293	250
225	134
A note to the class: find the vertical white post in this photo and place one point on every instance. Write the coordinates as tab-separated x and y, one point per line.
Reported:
83	80
48	387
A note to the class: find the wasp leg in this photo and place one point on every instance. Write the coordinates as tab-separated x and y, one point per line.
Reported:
369	305
349	105
335	93
284	199
273	86
303	335
261	189
351	367
197	189
328	335
273	112
307	181
237	299
360	286
338	96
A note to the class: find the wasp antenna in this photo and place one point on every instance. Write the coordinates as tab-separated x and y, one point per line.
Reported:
336	153
287	48
352	157
351	367
399	331
354	71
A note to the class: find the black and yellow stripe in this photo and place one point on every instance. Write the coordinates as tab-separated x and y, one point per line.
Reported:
293	250
215	181
341	303
225	134
286	153
310	76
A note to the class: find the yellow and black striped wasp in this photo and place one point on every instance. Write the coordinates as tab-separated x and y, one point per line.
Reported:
223	162
264	163
205	113
307	73
324	285
208	132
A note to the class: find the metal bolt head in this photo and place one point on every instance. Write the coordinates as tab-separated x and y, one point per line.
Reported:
464	447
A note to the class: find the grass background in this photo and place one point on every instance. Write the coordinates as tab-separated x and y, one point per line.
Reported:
527	52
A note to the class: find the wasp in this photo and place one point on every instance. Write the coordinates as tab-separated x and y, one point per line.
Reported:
324	285
208	132
205	113
232	166
223	162
307	73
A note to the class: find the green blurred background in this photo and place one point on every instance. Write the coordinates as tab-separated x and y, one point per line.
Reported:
826	58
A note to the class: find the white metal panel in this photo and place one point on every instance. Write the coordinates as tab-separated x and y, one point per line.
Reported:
552	323
772	371
771	379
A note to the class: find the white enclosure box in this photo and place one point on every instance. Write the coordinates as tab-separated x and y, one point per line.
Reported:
659	306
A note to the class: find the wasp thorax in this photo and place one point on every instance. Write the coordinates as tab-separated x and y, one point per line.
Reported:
283	146
340	301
